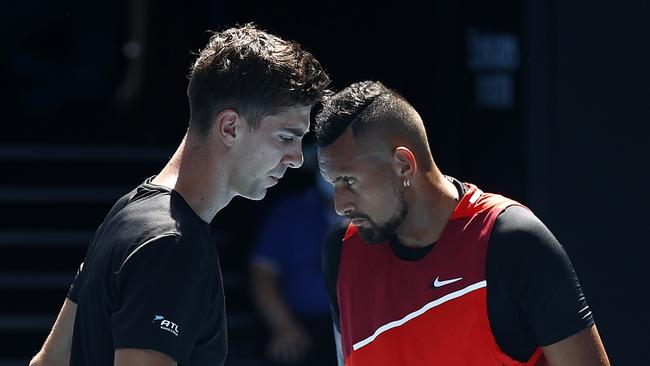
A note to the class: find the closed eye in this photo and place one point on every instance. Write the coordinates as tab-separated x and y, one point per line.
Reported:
286	139
348	181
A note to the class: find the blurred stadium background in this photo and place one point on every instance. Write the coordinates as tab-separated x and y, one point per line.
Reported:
544	101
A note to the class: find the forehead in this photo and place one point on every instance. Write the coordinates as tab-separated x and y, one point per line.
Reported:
294	117
346	156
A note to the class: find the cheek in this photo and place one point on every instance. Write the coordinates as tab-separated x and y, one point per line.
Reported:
376	198
268	155
385	199
273	156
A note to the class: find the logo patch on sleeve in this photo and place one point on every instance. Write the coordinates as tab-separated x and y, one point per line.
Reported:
166	324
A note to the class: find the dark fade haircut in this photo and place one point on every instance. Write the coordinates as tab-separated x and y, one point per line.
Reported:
253	72
369	107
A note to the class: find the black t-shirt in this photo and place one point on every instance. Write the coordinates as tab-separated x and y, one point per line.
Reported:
151	280
534	297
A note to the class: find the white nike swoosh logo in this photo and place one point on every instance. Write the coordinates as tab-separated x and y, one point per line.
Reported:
438	283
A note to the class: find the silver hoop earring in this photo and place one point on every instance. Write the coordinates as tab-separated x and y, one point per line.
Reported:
406	183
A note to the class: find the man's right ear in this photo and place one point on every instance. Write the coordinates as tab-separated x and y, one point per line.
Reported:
228	124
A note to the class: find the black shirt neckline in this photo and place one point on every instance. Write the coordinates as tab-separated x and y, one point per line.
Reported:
157	187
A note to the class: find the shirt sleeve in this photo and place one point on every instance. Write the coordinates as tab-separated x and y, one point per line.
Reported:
73	292
535	286
331	259
164	292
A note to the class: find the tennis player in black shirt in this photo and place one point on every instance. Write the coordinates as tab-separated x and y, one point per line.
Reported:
150	290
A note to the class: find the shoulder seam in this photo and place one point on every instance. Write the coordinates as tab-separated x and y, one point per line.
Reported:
142	246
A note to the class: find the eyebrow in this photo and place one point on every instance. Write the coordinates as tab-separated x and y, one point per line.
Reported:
296	131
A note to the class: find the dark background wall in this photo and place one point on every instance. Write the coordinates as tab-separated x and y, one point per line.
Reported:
546	102
587	120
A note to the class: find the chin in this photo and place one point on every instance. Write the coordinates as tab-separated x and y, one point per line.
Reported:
373	236
256	195
259	197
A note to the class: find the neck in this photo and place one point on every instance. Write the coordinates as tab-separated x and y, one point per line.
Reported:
431	201
196	175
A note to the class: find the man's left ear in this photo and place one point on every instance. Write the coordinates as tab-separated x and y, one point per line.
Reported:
405	162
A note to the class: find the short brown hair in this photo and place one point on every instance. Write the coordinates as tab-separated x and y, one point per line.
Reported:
253	72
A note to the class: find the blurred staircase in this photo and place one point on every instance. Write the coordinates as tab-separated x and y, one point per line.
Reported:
52	198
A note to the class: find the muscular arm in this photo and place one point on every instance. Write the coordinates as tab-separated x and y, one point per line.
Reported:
56	349
582	349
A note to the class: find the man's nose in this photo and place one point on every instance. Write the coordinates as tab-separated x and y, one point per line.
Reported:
294	158
342	204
